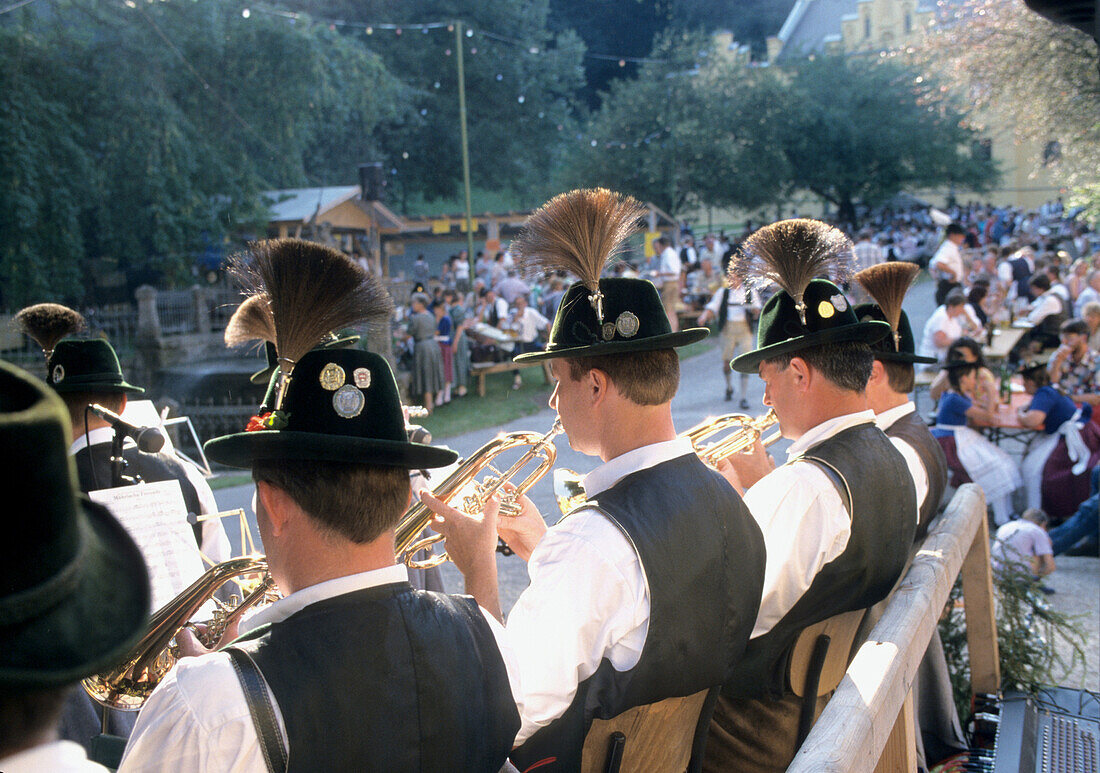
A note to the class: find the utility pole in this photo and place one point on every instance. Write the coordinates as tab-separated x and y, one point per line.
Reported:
465	149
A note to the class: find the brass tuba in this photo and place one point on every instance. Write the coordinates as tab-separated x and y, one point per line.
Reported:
127	686
407	539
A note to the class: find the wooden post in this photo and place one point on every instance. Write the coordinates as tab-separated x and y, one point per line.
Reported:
900	754
981	618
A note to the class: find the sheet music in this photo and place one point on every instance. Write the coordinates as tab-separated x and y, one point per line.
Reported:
155	516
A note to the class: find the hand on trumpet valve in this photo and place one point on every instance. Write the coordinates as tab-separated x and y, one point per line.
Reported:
524	527
193	639
471	539
744	469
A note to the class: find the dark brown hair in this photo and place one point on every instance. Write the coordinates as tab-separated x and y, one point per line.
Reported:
899	375
645	378
76	402
846	364
357	502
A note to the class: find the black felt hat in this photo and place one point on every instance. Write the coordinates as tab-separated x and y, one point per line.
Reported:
885	349
633	321
272	356
830	319
340	405
86	365
74	591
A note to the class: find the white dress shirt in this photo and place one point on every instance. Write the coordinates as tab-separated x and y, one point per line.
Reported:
804	521
588	598
948	256
198	720
529	324
215	542
670	264
737	306
56	757
1044	306
887	419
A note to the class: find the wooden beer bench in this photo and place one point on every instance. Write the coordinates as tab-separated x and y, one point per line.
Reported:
483	369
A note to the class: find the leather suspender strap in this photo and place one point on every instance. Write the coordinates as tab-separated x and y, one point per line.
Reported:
259	706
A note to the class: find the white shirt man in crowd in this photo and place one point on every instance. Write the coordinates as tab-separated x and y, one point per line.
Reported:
1024	545
947	264
669	268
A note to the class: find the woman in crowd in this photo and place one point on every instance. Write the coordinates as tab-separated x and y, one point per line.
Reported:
1055	470
985	392
460	342
444	336
970	456
427	372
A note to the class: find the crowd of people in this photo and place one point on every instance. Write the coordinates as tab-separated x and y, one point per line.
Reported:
355	667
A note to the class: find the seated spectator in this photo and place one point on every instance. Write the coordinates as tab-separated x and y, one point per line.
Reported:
1054	470
1090	313
1089	294
944	326
1073	366
970	456
1046	312
1024	545
1082	526
986	389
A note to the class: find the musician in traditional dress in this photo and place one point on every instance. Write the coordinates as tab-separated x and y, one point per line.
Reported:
1055	470
892	380
352	669
603	626
85	372
839	517
74	592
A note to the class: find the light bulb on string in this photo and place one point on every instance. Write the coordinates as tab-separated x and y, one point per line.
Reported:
450	28
397	31
473	51
370	30
521	99
469	33
447	52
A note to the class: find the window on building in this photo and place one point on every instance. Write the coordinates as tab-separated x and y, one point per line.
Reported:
908	22
1052	152
982	150
866	27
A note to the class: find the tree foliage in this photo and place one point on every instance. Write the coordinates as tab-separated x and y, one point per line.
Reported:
1022	70
721	133
138	134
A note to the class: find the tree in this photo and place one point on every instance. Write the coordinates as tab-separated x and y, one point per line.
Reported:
138	134
857	130
676	135
1024	71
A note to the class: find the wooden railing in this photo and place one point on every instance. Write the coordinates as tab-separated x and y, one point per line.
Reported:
868	724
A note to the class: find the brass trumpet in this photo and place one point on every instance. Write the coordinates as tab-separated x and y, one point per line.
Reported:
745	431
127	686
407	539
570	493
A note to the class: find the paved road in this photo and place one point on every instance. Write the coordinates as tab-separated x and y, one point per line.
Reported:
701	395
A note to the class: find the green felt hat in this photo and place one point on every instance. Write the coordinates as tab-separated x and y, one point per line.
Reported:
634	320
272	356
74	591
884	349
830	319
341	405
86	365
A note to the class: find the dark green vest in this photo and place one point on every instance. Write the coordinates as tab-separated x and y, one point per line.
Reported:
703	556
911	429
388	679
883	502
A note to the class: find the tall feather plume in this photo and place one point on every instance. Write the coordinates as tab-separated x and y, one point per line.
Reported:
48	323
887	284
578	232
312	290
252	321
791	253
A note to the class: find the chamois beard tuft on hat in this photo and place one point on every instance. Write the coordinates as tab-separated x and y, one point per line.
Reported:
792	253
48	323
311	291
579	232
887	284
252	321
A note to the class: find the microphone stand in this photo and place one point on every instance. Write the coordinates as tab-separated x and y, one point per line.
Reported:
118	463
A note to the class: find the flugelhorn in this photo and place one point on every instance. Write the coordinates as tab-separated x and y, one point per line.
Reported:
570	493
407	536
127	686
745	431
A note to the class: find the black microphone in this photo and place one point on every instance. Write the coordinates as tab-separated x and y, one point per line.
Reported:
149	439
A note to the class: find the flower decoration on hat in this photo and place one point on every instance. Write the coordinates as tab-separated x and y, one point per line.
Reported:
580	232
887	284
791	254
298	293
